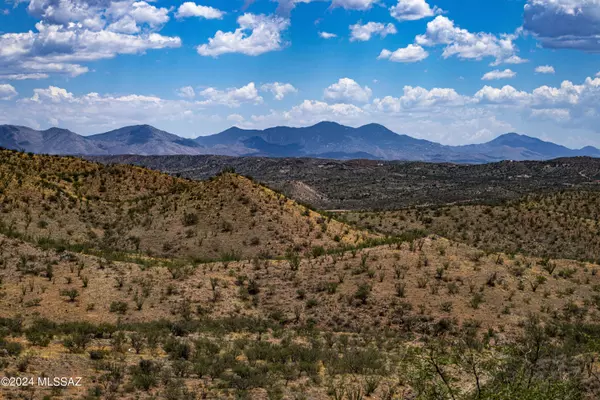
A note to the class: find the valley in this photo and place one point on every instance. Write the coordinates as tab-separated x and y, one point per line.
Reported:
381	185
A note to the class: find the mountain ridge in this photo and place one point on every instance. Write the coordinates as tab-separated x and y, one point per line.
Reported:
325	139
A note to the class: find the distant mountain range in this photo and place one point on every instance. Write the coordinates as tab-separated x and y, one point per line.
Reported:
323	140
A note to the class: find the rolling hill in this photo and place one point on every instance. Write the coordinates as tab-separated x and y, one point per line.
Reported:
125	209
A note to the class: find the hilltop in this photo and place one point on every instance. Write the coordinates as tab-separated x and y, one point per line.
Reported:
123	208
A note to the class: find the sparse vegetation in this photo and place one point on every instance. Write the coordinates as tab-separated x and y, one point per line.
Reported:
295	314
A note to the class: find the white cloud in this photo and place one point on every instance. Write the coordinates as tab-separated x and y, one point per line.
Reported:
353	4
187	92
581	101
7	91
411	53
279	90
143	12
347	90
571	24
327	35
545	69
568	94
364	32
53	94
505	95
310	112
464	44
497	74
72	32
285	6
510	60
418	97
412	10
233	97
256	35
323	109
127	24
191	9
22	77
94	112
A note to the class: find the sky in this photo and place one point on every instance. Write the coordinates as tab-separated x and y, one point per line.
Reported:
450	71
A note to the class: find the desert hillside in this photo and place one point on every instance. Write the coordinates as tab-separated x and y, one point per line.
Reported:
565	224
128	209
149	286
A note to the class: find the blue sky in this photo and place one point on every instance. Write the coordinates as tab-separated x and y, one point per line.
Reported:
451	71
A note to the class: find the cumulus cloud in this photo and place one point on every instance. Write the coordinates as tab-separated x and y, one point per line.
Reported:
557	24
53	94
347	90
7	91
497	74
256	35
279	90
72	32
187	92
412	10
568	94
577	104
233	97
418	97
467	45
545	69
144	13
365	32
327	35
191	9
505	95
410	54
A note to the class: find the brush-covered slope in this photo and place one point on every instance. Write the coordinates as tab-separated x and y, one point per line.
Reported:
131	209
367	321
563	224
